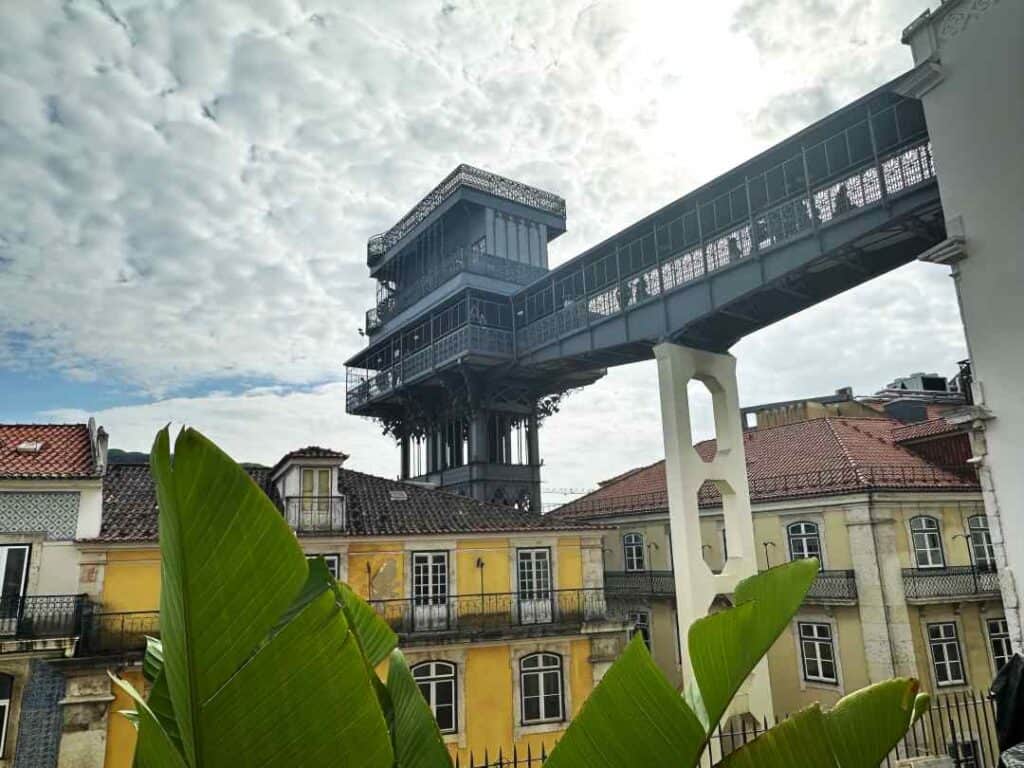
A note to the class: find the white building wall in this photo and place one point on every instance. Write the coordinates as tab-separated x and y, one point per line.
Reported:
971	63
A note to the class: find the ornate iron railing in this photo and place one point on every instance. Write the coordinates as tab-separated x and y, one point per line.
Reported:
653	583
316	514
589	289
117	632
493	614
468	176
461	260
953	582
833	586
40	616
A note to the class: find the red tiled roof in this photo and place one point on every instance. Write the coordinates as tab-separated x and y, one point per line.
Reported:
921	429
65	451
309	452
819	457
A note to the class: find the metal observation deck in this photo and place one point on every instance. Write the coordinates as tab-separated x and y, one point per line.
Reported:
842	201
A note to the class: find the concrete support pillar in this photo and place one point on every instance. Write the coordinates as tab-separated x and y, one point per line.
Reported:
478	437
404	448
685	472
533	439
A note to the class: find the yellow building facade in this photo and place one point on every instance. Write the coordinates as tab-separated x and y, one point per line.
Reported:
501	614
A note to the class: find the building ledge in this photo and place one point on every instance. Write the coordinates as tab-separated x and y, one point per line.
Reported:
63	646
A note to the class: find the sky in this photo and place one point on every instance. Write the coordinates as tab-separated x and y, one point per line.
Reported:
188	189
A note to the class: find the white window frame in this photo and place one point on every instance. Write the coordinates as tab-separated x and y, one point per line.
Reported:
632	544
534	598
804	531
929	562
640	621
430	608
5	550
432	681
816	636
1002	636
945	641
542	672
977	528
333	561
5	705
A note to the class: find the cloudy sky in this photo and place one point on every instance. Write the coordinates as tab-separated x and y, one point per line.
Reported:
188	189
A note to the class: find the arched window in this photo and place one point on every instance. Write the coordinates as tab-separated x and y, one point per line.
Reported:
633	551
540	686
981	543
804	541
6	686
926	540
436	681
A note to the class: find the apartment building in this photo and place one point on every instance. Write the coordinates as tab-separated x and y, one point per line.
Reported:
501	612
908	584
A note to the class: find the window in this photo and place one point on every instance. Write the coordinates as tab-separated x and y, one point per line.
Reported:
436	681
640	623
13	575
429	590
927	542
804	541
535	596
540	684
6	685
999	640
333	564
981	543
946	658
633	551
817	653
964	753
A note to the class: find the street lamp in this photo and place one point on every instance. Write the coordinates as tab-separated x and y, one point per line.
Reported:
970	557
766	544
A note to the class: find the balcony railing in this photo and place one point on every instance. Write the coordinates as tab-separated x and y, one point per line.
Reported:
460	260
316	514
493	614
651	583
117	633
951	583
833	587
35	617
464	175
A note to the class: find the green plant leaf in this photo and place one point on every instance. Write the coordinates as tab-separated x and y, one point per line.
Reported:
633	717
375	636
153	661
417	741
726	646
260	664
858	732
154	747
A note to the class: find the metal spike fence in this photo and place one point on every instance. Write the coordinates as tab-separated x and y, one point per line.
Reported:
961	725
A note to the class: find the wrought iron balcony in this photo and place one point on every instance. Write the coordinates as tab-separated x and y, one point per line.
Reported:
648	583
833	588
117	633
37	617
952	583
460	260
481	615
316	514
468	176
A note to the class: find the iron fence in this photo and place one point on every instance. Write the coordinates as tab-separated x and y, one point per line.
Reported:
959	725
117	633
954	581
40	616
833	587
316	514
483	614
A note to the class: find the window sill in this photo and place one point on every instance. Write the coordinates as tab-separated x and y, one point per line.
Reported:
534	728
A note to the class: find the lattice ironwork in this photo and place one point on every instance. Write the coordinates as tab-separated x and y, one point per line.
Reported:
493	614
833	586
41	616
647	583
316	514
952	582
466	176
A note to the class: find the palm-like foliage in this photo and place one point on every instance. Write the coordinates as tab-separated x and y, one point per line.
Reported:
266	661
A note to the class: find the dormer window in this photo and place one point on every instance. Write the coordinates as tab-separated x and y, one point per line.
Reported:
316	483
29	446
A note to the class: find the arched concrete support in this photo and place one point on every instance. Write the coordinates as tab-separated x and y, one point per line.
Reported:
685	472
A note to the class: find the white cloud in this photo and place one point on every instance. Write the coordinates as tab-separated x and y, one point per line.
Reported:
189	187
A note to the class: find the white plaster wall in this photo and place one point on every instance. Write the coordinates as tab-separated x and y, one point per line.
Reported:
976	121
90	510
58	569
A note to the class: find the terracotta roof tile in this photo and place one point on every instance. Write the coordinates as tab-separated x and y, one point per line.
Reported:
130	510
921	429
818	457
63	451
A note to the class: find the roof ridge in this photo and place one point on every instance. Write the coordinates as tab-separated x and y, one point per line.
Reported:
844	449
